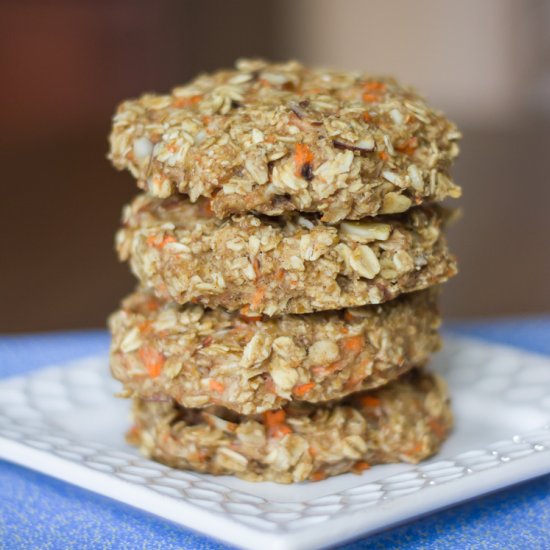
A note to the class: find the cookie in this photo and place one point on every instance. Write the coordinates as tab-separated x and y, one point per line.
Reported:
201	357
273	138
404	421
290	264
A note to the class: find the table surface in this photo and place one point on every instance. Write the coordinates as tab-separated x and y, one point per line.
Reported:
37	511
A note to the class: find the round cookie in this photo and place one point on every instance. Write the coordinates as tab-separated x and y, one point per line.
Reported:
201	357
404	421
273	138
291	264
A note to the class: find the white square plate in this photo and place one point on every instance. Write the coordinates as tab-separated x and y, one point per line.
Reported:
64	421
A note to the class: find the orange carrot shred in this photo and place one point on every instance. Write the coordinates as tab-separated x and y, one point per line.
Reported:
257	297
302	157
153	359
375	86
153	241
275	422
216	386
319	475
370	98
370	401
353	343
152	305
272	418
302	389
186	101
384	155
360	466
145	327
409	147
367	117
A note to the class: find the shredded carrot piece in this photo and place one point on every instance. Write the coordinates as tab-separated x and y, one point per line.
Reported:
257	297
272	418
370	401
367	117
353	343
312	451
319	475
375	86
409	147
186	101
153	359
302	157
280	275
302	389
370	98
360	466
216	386
384	155
153	241
344	330
275	422
145	327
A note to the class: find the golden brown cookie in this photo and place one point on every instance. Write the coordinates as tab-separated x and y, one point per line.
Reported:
273	138
404	421
291	264
201	357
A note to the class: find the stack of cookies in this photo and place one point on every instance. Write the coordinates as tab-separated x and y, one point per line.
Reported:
288	248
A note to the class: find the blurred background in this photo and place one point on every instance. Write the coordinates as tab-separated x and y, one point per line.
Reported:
65	65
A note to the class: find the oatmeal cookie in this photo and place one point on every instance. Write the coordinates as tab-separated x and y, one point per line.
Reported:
404	421
201	357
273	138
290	264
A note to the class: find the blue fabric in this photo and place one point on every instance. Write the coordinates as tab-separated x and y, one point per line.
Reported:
37	511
